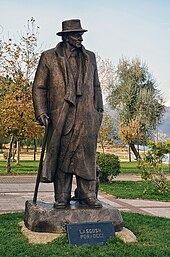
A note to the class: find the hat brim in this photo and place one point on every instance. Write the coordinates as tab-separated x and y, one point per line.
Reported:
69	31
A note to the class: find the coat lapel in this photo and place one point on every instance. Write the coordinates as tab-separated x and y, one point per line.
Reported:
86	64
61	61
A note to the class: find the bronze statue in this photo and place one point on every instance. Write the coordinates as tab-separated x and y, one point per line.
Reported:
67	94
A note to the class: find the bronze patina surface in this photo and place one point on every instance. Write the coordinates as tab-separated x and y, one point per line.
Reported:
67	94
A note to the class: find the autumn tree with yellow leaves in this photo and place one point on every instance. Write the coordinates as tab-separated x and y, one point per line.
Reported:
18	62
131	133
107	132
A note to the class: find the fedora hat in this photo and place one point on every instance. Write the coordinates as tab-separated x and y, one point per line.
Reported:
73	25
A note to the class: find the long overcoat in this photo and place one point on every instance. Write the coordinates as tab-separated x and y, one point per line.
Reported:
74	117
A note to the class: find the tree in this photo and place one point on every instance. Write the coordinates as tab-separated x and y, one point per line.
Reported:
105	72
107	132
135	95
152	166
131	133
18	62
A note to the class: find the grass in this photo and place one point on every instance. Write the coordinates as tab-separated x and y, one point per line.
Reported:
25	167
132	168
121	189
30	167
153	236
133	189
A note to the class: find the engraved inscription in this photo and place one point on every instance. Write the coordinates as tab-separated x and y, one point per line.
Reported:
90	233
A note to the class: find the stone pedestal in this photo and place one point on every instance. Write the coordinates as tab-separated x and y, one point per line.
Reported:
42	217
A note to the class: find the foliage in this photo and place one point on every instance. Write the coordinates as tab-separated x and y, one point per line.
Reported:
168	145
135	95
152	166
18	61
134	190
150	232
131	132
17	115
109	166
107	132
105	72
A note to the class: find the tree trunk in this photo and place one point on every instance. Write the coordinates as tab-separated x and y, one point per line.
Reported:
133	148
102	147
35	149
130	159
18	152
14	150
8	166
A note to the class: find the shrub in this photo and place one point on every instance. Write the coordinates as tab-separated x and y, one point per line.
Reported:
152	166
109	166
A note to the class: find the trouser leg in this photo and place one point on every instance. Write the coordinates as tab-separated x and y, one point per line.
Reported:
62	187
86	188
87	192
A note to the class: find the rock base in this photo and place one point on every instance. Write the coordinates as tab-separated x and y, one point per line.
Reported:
37	237
42	217
125	235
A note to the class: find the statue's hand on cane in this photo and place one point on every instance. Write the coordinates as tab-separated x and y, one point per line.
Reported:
43	119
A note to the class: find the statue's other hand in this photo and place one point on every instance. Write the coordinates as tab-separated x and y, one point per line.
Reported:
43	119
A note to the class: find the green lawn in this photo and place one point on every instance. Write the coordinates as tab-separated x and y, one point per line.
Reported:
25	167
132	168
133	189
153	236
31	167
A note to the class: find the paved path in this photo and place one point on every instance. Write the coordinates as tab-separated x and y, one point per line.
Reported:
132	177
15	190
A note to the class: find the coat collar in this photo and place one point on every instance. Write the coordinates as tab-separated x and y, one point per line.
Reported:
60	55
59	50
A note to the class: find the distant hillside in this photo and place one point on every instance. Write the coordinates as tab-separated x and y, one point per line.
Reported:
164	127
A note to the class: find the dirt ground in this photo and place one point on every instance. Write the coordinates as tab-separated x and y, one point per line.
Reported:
122	152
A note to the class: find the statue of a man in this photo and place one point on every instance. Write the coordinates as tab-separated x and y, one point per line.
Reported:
67	96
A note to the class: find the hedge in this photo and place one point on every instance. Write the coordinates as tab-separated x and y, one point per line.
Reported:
109	166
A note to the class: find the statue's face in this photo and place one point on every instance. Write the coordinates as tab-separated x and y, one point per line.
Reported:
75	39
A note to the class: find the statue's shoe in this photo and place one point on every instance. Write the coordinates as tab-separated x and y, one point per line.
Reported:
91	202
61	205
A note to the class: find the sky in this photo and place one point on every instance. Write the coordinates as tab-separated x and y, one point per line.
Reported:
116	29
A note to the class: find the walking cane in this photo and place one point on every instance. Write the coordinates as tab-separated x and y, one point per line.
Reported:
40	163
